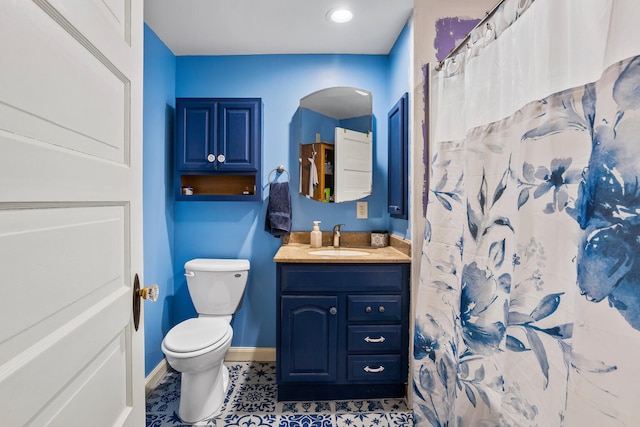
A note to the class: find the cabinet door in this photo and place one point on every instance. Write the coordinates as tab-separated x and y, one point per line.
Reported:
195	135
309	338
398	159
239	133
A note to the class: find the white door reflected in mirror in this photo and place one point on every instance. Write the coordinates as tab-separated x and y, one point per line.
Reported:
353	165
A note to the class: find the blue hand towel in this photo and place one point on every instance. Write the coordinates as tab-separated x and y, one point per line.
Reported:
278	219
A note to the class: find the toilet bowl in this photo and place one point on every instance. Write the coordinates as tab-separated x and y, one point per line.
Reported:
196	347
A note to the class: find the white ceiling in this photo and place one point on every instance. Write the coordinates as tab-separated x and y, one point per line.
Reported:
248	27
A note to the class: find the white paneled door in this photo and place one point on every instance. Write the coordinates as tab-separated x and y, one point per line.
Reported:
70	212
353	164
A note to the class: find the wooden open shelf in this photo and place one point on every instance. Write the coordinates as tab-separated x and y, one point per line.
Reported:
324	157
207	186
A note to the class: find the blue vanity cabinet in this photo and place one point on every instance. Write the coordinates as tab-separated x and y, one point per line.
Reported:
342	330
218	148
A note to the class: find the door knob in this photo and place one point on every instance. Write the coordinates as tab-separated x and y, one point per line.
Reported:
149	292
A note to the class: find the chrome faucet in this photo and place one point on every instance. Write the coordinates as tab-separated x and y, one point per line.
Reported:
336	235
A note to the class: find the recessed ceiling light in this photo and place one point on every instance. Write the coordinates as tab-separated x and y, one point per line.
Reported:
340	15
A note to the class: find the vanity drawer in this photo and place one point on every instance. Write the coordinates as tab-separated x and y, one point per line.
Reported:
373	278
374	368
374	308
374	338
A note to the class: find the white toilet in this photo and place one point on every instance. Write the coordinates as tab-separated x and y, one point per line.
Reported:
196	347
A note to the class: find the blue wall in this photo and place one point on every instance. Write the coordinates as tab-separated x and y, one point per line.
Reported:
313	123
158	224
179	231
236	229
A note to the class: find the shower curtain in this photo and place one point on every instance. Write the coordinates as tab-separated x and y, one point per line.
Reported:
528	306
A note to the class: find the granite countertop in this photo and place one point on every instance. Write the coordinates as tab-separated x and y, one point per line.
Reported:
296	248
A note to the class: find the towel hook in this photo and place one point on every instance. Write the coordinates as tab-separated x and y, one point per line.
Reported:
279	170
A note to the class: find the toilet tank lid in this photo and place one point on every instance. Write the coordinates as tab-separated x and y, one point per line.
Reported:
211	264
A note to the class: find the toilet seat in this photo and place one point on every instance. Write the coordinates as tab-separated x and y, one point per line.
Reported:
196	334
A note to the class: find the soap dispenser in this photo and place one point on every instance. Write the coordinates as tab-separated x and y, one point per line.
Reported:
316	235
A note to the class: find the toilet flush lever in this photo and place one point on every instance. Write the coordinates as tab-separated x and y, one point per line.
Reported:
149	293
189	274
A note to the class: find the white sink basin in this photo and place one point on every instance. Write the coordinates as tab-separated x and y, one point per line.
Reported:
338	252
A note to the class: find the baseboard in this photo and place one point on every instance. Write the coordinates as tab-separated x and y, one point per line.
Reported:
155	376
251	354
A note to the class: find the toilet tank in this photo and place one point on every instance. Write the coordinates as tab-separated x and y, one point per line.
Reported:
216	286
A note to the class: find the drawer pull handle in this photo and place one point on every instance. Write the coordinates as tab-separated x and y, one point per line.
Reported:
381	339
381	309
333	310
374	370
368	309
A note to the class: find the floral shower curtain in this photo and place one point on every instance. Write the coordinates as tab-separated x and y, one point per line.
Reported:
528	307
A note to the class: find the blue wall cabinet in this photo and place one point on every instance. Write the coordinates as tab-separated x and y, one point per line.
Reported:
398	171
218	148
342	331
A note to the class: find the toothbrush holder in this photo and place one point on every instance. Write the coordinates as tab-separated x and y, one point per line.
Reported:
379	238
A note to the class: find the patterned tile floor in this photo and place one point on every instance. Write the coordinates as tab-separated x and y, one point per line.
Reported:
251	402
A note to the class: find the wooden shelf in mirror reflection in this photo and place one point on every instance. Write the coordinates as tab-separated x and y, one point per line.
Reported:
218	187
324	161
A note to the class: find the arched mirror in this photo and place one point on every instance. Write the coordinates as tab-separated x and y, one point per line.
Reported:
336	146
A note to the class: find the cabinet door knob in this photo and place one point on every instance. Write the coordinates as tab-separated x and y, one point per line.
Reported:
368	309
221	158
381	309
211	158
374	370
376	340
333	310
